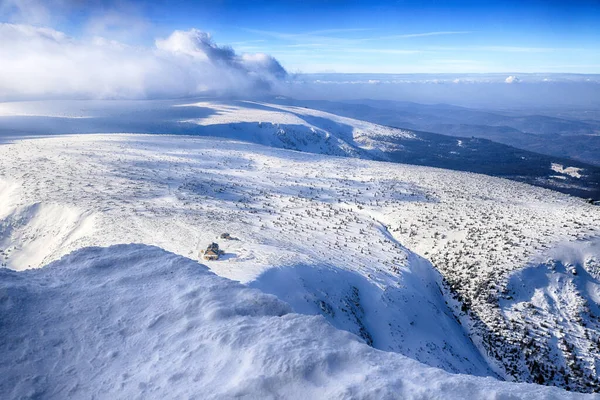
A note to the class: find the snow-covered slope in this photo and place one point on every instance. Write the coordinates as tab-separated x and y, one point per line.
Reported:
562	132
295	128
181	193
133	321
349	239
299	128
559	295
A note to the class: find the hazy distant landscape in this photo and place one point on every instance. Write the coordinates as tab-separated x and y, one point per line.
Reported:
554	130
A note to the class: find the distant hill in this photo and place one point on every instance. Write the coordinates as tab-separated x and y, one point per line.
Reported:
575	134
299	128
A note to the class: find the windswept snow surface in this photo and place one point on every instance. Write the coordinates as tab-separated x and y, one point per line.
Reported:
136	322
298	128
181	193
376	248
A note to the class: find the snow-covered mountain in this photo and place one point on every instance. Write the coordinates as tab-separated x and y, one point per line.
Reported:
419	261
289	126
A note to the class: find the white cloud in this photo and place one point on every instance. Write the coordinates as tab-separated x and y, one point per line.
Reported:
18	10
512	79
42	62
45	12
123	25
115	19
424	34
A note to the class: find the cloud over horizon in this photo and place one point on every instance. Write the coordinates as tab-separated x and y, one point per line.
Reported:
46	63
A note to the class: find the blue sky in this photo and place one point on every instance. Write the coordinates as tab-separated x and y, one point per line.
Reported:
364	36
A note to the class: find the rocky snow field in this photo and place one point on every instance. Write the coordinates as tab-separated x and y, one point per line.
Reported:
464	272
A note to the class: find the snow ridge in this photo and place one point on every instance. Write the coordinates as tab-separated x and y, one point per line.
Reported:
134	321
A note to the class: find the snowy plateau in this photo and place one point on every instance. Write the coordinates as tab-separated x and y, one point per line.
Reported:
347	275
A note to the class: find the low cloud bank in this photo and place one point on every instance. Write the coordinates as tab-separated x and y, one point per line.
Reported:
45	63
490	91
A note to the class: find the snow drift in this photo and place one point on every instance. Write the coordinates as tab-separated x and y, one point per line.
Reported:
133	321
